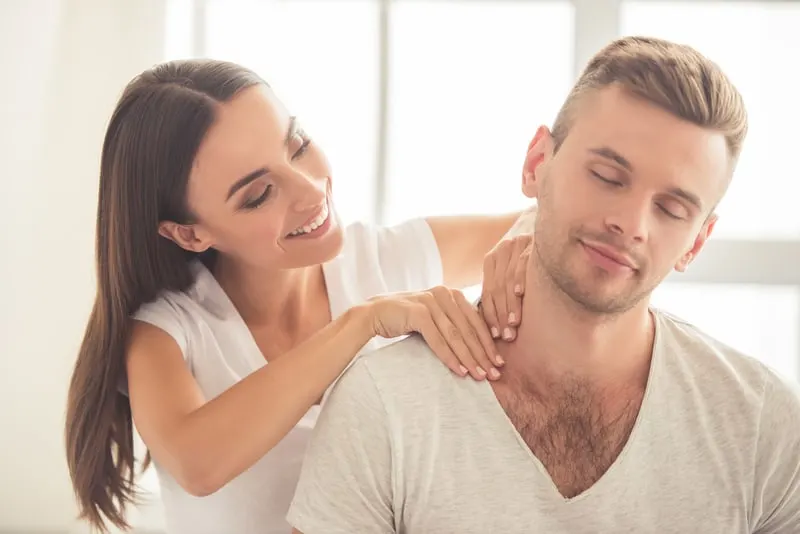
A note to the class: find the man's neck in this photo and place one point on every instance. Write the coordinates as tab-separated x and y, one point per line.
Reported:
558	339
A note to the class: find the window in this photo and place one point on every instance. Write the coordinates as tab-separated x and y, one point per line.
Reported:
324	73
470	83
179	29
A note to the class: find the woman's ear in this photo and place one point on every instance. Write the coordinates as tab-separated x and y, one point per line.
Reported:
186	236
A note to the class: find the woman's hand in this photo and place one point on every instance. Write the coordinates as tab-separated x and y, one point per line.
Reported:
451	326
504	284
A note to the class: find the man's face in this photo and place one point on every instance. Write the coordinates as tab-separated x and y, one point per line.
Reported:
626	198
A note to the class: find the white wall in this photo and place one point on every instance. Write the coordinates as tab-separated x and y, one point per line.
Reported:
63	65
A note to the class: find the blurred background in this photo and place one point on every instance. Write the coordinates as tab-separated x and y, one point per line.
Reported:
423	107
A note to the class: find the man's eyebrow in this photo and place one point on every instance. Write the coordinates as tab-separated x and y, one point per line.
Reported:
610	153
688	196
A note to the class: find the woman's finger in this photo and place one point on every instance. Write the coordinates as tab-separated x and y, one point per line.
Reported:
433	337
481	331
521	270
452	335
513	298
462	318
499	297
487	307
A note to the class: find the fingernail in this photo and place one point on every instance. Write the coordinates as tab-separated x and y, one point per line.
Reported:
512	318
500	360
480	371
495	332
507	334
518	289
494	374
463	370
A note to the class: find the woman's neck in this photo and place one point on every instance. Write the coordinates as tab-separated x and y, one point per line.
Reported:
276	300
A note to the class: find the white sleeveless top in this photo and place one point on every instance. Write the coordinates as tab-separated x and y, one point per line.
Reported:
220	351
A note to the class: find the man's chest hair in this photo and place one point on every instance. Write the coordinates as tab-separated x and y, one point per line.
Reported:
577	432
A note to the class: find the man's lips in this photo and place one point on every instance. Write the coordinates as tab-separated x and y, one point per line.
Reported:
612	254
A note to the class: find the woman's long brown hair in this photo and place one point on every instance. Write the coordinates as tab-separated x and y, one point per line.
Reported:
148	151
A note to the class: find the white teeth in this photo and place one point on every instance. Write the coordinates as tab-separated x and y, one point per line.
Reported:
318	221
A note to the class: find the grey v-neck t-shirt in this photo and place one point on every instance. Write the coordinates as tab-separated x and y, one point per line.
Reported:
404	446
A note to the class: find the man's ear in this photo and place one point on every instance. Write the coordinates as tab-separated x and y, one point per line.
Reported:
540	150
699	241
187	236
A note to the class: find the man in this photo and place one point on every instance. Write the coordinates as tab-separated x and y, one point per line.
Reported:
610	417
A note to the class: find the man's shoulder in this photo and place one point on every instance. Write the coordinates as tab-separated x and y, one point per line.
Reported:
399	371
407	360
683	338
722	369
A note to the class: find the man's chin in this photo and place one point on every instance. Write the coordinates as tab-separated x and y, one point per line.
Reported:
600	302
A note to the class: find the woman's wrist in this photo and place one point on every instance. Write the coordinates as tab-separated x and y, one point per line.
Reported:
360	320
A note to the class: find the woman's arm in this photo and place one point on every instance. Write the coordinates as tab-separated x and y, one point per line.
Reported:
464	241
203	445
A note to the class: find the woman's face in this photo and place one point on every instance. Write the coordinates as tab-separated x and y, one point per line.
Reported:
260	189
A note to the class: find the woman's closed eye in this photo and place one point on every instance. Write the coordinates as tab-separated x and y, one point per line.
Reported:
298	144
253	203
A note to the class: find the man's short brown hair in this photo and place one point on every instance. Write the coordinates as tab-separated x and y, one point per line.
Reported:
675	77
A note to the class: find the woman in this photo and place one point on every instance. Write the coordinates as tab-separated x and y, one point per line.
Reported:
230	299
